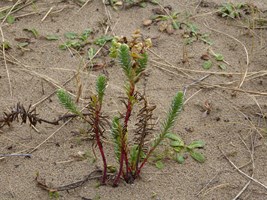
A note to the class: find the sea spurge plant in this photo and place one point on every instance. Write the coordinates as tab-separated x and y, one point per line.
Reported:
131	155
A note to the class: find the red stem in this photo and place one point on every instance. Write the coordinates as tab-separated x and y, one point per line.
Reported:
124	156
115	183
144	161
99	144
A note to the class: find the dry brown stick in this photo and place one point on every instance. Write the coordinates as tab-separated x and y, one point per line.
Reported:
246	51
43	185
5	62
241	172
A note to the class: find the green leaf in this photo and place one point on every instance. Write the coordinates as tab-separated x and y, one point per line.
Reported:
91	53
23	44
173	136
33	31
197	156
180	159
103	39
160	17
143	4
52	37
71	35
71	44
6	45
114	48
101	84
178	149
159	164
142	62
193	28
133	155
116	131
66	101
176	144
175	24
85	34
207	64
219	57
10	19
222	66
196	144
154	2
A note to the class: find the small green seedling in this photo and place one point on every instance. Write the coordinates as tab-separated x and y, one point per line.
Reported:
207	64
75	40
169	22
33	31
231	10
53	195
10	19
180	148
216	58
103	40
192	34
6	45
52	37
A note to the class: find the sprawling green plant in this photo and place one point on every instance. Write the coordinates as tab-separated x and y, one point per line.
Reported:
131	156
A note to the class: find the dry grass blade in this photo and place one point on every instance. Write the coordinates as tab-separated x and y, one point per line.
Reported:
12	8
49	11
5	61
84	5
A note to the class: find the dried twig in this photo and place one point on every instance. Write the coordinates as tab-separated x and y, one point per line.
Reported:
43	185
241	172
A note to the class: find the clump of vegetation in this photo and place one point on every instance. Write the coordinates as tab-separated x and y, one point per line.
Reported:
231	10
211	57
168	21
131	157
76	41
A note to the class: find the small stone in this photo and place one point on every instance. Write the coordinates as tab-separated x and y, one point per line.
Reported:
147	22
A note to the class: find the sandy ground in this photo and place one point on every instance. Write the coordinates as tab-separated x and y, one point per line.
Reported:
236	122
